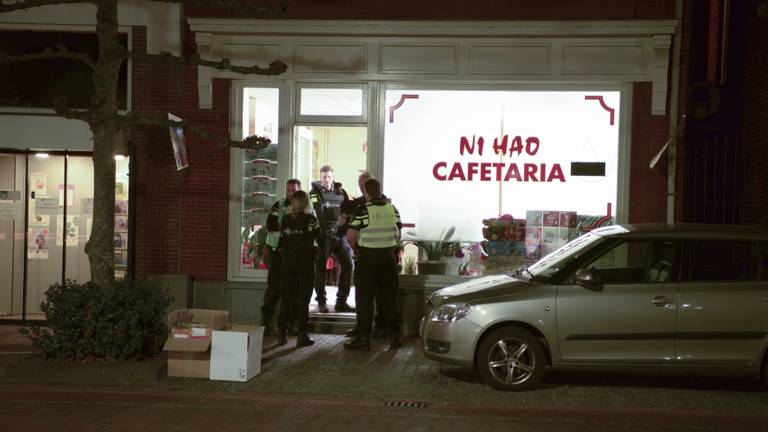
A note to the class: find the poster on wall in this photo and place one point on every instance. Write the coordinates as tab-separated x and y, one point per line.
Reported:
121	223
492	152
121	240
72	228
38	182
70	195
46	204
179	144
38	245
39	221
121	207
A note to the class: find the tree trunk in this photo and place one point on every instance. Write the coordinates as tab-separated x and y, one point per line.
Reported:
100	248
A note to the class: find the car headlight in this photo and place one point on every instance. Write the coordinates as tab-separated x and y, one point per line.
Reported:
450	312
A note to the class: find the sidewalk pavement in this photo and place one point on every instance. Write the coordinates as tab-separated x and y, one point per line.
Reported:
326	370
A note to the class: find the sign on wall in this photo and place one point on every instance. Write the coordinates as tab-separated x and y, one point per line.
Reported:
454	158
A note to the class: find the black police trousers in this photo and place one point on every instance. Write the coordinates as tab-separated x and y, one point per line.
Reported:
297	272
377	276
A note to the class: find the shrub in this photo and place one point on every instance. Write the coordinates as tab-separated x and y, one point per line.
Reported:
123	321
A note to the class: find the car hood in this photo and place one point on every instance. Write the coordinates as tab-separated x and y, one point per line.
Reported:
482	289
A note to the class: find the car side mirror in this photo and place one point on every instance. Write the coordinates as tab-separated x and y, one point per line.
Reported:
588	278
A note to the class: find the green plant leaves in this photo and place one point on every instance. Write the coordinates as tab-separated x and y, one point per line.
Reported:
123	321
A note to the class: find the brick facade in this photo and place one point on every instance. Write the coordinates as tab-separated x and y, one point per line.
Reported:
181	224
754	157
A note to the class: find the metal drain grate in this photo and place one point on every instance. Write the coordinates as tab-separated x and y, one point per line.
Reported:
406	404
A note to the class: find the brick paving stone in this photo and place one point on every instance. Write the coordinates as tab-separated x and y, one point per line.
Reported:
327	369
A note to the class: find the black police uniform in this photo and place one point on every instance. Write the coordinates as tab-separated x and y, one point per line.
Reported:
272	295
327	204
298	234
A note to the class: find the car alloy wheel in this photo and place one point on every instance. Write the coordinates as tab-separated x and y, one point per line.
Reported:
510	358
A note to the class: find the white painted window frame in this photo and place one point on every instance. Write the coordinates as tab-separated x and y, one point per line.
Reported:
376	110
328	119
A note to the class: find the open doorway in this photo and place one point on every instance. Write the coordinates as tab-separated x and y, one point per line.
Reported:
344	148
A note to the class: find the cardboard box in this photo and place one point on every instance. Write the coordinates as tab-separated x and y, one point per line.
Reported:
236	353
191	356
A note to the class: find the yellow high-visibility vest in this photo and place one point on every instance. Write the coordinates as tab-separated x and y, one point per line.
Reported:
381	231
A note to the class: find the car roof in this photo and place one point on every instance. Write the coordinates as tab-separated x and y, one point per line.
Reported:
689	231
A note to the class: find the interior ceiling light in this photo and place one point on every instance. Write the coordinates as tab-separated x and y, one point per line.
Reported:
41	155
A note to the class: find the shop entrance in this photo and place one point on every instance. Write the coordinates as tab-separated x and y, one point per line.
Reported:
46	213
344	148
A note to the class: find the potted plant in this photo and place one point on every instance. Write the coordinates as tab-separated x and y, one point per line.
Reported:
434	251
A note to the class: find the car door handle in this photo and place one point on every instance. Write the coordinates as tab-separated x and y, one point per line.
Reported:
662	301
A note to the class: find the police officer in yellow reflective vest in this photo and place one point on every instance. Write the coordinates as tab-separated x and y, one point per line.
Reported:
375	231
274	219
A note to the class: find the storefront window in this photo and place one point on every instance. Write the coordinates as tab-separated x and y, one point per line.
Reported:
259	168
121	216
59	218
520	171
331	102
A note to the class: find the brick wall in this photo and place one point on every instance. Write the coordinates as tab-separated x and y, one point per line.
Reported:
647	188
463	10
181	216
754	144
155	199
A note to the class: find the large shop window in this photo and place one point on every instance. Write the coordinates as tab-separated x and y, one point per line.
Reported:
525	170
259	172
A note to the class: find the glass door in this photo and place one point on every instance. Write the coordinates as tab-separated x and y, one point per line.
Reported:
11	235
48	198
47	232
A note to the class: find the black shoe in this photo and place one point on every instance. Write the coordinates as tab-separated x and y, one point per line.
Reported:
303	340
344	307
378	334
322	307
282	338
394	343
358	344
351	332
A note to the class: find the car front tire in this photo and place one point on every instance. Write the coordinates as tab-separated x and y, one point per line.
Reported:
511	359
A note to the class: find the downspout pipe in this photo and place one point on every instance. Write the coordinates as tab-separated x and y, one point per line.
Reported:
674	96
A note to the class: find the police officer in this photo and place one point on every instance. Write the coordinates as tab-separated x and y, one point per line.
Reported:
327	197
375	231
279	209
347	212
299	233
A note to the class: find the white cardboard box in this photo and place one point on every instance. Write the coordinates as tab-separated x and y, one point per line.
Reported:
236	353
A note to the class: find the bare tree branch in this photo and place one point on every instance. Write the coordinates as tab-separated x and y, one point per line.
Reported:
275	68
6	6
61	106
161	119
58	52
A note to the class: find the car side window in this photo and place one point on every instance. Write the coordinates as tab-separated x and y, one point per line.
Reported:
717	260
636	261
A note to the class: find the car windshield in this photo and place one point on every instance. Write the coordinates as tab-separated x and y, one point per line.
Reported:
552	263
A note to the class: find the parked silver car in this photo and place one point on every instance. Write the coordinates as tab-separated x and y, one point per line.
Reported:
685	298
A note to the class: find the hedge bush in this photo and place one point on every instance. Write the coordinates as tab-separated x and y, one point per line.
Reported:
123	321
